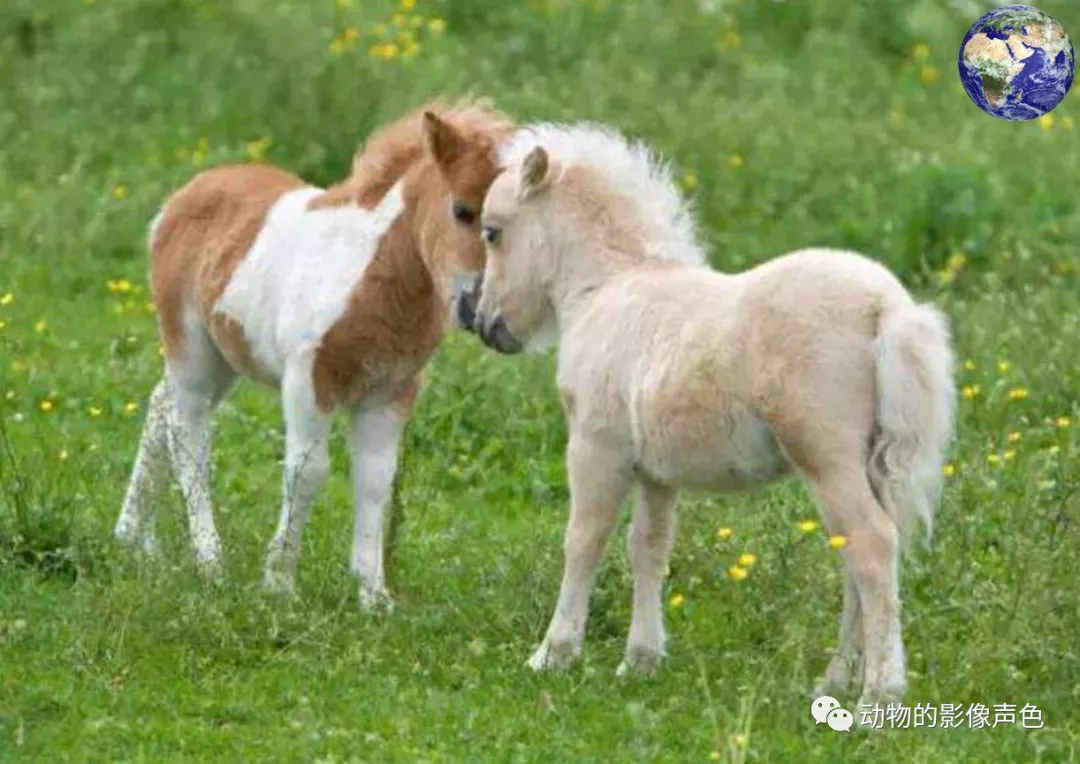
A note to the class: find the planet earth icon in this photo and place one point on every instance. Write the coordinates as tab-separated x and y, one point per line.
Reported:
1016	63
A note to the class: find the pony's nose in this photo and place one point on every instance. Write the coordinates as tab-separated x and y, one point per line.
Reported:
466	310
497	336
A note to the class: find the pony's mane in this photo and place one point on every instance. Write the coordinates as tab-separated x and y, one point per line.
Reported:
627	169
394	148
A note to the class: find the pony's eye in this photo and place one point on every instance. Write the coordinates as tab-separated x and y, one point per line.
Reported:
463	214
491	235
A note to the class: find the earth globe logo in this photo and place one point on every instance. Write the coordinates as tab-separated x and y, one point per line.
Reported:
1017	63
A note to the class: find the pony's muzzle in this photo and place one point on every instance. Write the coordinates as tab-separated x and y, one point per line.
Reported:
467	301
496	335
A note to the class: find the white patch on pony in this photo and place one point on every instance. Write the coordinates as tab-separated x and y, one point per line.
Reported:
295	282
151	235
628	168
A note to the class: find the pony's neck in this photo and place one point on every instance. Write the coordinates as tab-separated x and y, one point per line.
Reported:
427	202
584	271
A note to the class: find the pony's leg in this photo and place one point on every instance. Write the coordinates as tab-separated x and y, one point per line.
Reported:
307	465
871	557
195	385
374	441
599	479
847	662
135	525
648	544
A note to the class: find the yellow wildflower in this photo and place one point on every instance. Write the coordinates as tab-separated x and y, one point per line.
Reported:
1004	366
408	5
690	181
807	526
161	350
337	47
350	33
1015	437
384	51
1018	394
95	412
1046	121
737	573
410	50
1009	455
677	600
3	324
1062	421
738	740
120	192
46	406
920	52
131	407
970	391
1053	450
747	560
7	299
836	543
928	75
734	162
40	326
714	755
993	459
724	533
436	26
948	470
256	150
969	365
63	455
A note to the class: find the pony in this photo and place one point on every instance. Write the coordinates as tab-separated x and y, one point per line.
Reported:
673	375
335	297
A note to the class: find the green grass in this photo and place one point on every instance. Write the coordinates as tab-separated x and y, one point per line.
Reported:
802	123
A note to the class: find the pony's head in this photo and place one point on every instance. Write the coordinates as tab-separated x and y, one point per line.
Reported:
463	147
575	204
445	155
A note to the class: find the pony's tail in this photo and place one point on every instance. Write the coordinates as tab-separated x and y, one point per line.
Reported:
916	399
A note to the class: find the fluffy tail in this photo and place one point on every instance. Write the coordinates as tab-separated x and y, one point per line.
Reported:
915	411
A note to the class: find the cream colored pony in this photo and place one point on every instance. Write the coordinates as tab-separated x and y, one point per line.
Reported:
674	375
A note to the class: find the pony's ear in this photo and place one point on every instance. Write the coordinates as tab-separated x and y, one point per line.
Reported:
535	173
442	139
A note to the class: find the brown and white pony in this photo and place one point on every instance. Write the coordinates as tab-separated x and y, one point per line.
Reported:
335	297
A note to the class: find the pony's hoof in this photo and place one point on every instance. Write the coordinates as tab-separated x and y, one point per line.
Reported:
278	584
640	661
145	544
212	572
831	687
553	655
872	708
375	600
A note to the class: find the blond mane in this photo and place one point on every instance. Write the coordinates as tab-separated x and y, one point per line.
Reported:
627	169
390	151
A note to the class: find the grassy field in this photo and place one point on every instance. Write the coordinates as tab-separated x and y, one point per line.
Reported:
792	123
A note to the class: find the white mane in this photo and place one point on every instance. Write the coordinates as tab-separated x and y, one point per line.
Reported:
628	168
